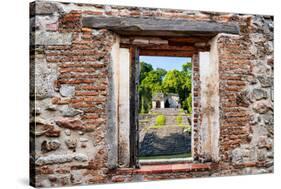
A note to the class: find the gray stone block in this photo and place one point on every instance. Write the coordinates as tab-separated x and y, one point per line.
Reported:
53	159
62	158
45	75
45	8
259	94
52	38
67	90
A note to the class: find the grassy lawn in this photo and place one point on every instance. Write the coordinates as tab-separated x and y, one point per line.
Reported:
183	155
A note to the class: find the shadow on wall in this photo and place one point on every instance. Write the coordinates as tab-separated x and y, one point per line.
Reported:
175	143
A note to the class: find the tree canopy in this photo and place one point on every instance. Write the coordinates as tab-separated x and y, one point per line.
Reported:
160	80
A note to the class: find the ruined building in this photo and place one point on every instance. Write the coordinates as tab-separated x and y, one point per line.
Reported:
84	103
170	100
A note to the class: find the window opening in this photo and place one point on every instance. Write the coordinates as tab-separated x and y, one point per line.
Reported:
165	108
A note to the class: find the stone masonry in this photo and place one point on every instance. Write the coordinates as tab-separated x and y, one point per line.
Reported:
72	126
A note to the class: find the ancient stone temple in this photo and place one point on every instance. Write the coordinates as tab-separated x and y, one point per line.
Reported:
84	70
160	100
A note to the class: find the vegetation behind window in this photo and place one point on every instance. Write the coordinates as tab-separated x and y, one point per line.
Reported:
159	80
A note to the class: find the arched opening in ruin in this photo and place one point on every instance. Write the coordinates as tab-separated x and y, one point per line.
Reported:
167	104
158	104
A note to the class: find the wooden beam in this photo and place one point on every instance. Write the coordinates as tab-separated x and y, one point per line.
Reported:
160	47
149	52
134	81
159	27
178	40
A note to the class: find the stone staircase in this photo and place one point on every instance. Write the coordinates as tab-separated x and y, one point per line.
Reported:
165	141
169	113
166	111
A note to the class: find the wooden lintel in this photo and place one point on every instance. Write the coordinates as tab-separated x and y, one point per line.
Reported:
149	52
159	27
188	39
160	47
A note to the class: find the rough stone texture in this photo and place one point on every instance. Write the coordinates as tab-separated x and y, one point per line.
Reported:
67	90
259	94
70	112
74	124
164	141
54	159
52	38
246	124
46	8
45	77
64	53
47	146
71	144
172	138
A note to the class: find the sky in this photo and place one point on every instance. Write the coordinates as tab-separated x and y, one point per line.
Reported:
165	62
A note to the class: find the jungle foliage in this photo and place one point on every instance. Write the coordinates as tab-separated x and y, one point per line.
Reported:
159	80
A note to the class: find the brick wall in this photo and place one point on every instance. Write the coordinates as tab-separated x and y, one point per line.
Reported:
71	76
196	105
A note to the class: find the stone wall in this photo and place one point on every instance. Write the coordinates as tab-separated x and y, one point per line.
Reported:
72	82
72	109
246	85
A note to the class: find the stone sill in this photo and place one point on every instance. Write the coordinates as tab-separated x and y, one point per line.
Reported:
166	168
166	161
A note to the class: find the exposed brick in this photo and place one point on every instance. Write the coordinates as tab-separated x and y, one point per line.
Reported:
86	93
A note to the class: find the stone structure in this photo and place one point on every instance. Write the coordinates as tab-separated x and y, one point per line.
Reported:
171	138
170	100
75	133
168	140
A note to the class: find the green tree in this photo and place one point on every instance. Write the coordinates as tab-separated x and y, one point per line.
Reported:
180	82
173	82
153	80
159	80
187	71
187	103
144	69
187	67
150	82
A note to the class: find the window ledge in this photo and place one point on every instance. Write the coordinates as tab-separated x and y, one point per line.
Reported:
165	161
166	168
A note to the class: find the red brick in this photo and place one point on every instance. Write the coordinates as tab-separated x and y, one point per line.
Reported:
86	93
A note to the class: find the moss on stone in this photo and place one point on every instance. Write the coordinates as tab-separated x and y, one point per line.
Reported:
160	120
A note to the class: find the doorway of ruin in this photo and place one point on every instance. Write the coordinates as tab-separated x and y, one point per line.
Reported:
164	132
158	104
161	37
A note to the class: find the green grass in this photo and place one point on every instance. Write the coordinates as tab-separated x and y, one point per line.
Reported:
183	155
